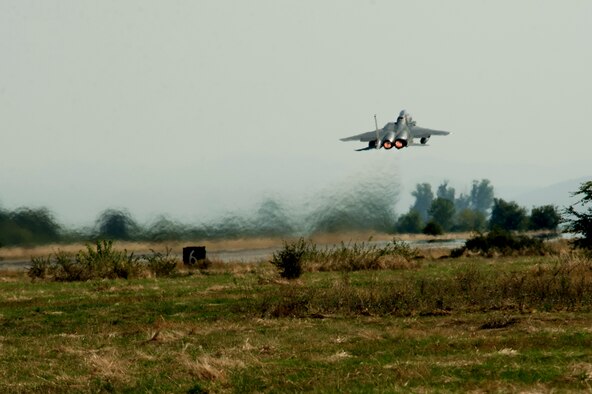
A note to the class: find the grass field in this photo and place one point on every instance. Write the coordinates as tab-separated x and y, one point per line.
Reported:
512	324
20	252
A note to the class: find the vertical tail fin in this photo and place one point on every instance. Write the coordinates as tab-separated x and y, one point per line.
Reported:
377	133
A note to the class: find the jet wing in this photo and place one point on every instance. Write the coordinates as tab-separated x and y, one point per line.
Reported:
366	137
420	132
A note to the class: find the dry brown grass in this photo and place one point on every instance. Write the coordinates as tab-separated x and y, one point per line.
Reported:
18	252
108	364
209	367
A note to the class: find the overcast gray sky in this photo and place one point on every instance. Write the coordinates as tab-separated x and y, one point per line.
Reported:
192	108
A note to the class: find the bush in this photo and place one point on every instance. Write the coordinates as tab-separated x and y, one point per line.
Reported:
503	243
105	262
161	264
346	257
410	223
289	259
39	267
102	262
433	228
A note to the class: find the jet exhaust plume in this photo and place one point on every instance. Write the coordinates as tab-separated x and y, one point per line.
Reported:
367	204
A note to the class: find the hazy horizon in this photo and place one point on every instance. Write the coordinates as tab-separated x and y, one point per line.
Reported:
194	109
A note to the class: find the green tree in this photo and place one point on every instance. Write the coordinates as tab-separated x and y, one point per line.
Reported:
116	224
410	223
546	217
27	226
470	220
462	202
272	219
165	229
578	220
423	199
445	191
481	195
39	222
507	216
442	212
433	228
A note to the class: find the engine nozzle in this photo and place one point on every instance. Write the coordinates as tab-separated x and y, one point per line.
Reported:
400	143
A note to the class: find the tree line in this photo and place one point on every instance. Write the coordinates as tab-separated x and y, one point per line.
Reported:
431	213
479	210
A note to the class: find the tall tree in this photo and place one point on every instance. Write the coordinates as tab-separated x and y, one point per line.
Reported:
445	191
545	217
462	202
470	220
116	224
410	223
423	199
481	195
578	220
442	212
507	216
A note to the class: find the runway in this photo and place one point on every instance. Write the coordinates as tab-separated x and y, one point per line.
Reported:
260	254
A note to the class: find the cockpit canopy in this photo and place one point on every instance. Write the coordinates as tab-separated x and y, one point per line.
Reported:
403	114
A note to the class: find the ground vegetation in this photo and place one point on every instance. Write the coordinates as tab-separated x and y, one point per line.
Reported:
501	324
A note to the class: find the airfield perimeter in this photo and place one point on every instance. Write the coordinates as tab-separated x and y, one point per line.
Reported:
503	324
232	250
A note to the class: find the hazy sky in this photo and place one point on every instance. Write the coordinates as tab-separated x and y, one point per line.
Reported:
192	108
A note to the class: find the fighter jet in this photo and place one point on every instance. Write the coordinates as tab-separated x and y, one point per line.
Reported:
399	134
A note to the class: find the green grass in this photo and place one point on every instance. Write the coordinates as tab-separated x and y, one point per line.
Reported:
330	332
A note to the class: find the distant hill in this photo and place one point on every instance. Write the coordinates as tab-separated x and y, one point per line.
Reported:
558	194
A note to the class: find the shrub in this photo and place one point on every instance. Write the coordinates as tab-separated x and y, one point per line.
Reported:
161	264
289	259
105	262
410	223
503	243
433	228
102	262
39	267
355	257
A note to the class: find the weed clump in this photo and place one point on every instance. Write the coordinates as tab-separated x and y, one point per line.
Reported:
161	264
300	255
363	256
100	262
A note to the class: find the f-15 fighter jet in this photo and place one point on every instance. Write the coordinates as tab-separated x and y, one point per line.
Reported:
399	134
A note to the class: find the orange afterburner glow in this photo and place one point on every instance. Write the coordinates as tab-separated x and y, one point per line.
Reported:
399	144
387	144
